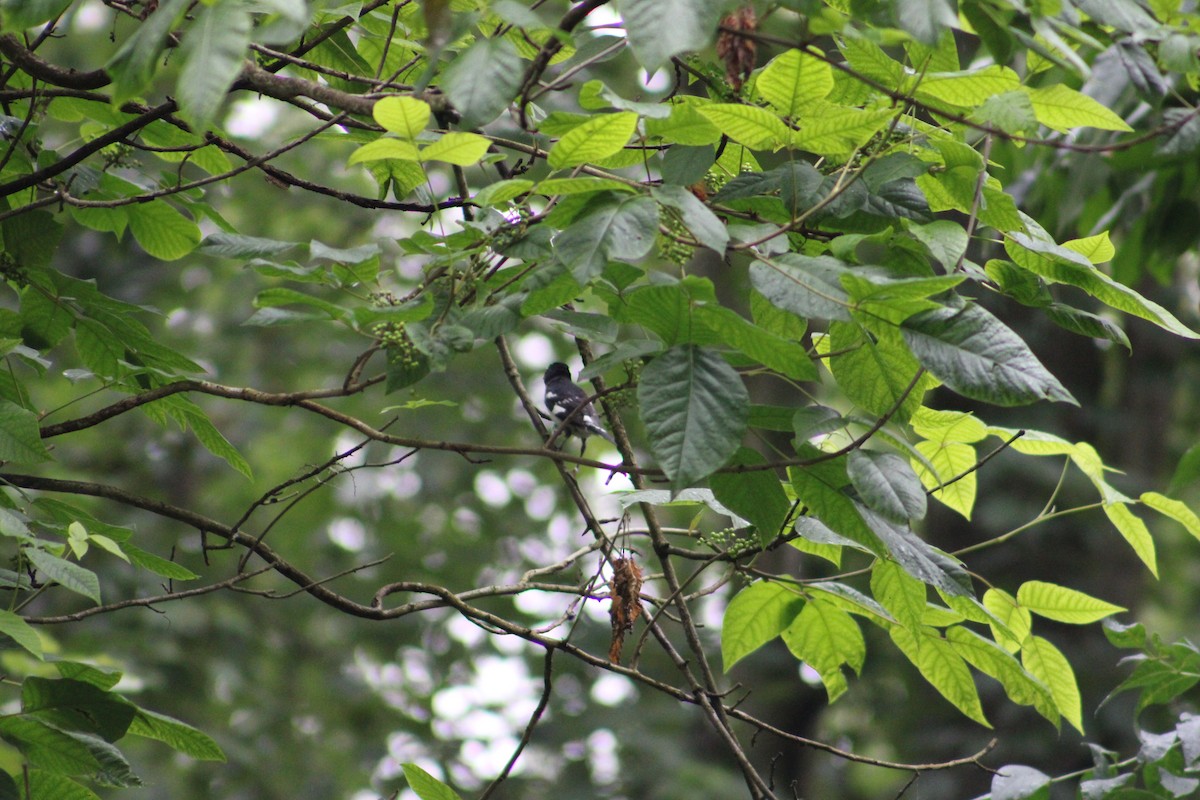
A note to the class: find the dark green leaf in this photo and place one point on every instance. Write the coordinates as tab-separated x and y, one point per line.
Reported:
618	227
17	629
703	223
176	735
66	573
887	484
803	285
1087	324
918	558
133	65
694	406
22	14
104	679
659	29
156	564
213	54
77	706
483	79
233	245
758	496
786	358
45	320
20	439
799	186
683	166
819	488
32	238
979	357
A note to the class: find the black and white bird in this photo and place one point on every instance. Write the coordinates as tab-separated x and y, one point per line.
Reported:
563	398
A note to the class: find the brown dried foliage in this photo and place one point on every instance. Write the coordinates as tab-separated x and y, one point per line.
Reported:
738	52
625	590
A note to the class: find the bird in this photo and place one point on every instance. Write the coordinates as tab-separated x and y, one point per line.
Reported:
569	404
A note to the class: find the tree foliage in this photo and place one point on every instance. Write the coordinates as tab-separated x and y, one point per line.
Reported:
794	265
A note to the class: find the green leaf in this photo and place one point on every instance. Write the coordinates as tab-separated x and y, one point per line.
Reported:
21	632
979	357
460	149
992	659
599	137
944	668
755	616
950	460
1017	620
158	565
900	593
133	66
72	705
403	116
926	19
1175	510
483	79
941	426
757	496
622	228
177	735
213	54
1062	604
819	487
887	484
694	406
876	373
1135	532
703	223
752	126
22	14
426	786
659	29
783	356
825	637
1061	108
161	230
805	286
50	785
1059	264
384	148
69	574
502	191
793	80
48	748
968	88
583	184
1046	663
20	439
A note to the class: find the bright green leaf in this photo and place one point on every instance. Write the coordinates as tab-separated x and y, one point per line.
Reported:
1062	604
1046	663
595	139
752	126
403	116
755	616
460	149
793	80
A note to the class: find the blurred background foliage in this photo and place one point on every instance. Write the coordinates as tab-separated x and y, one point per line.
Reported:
309	703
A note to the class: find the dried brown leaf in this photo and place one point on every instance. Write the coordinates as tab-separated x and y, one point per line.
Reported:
739	53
